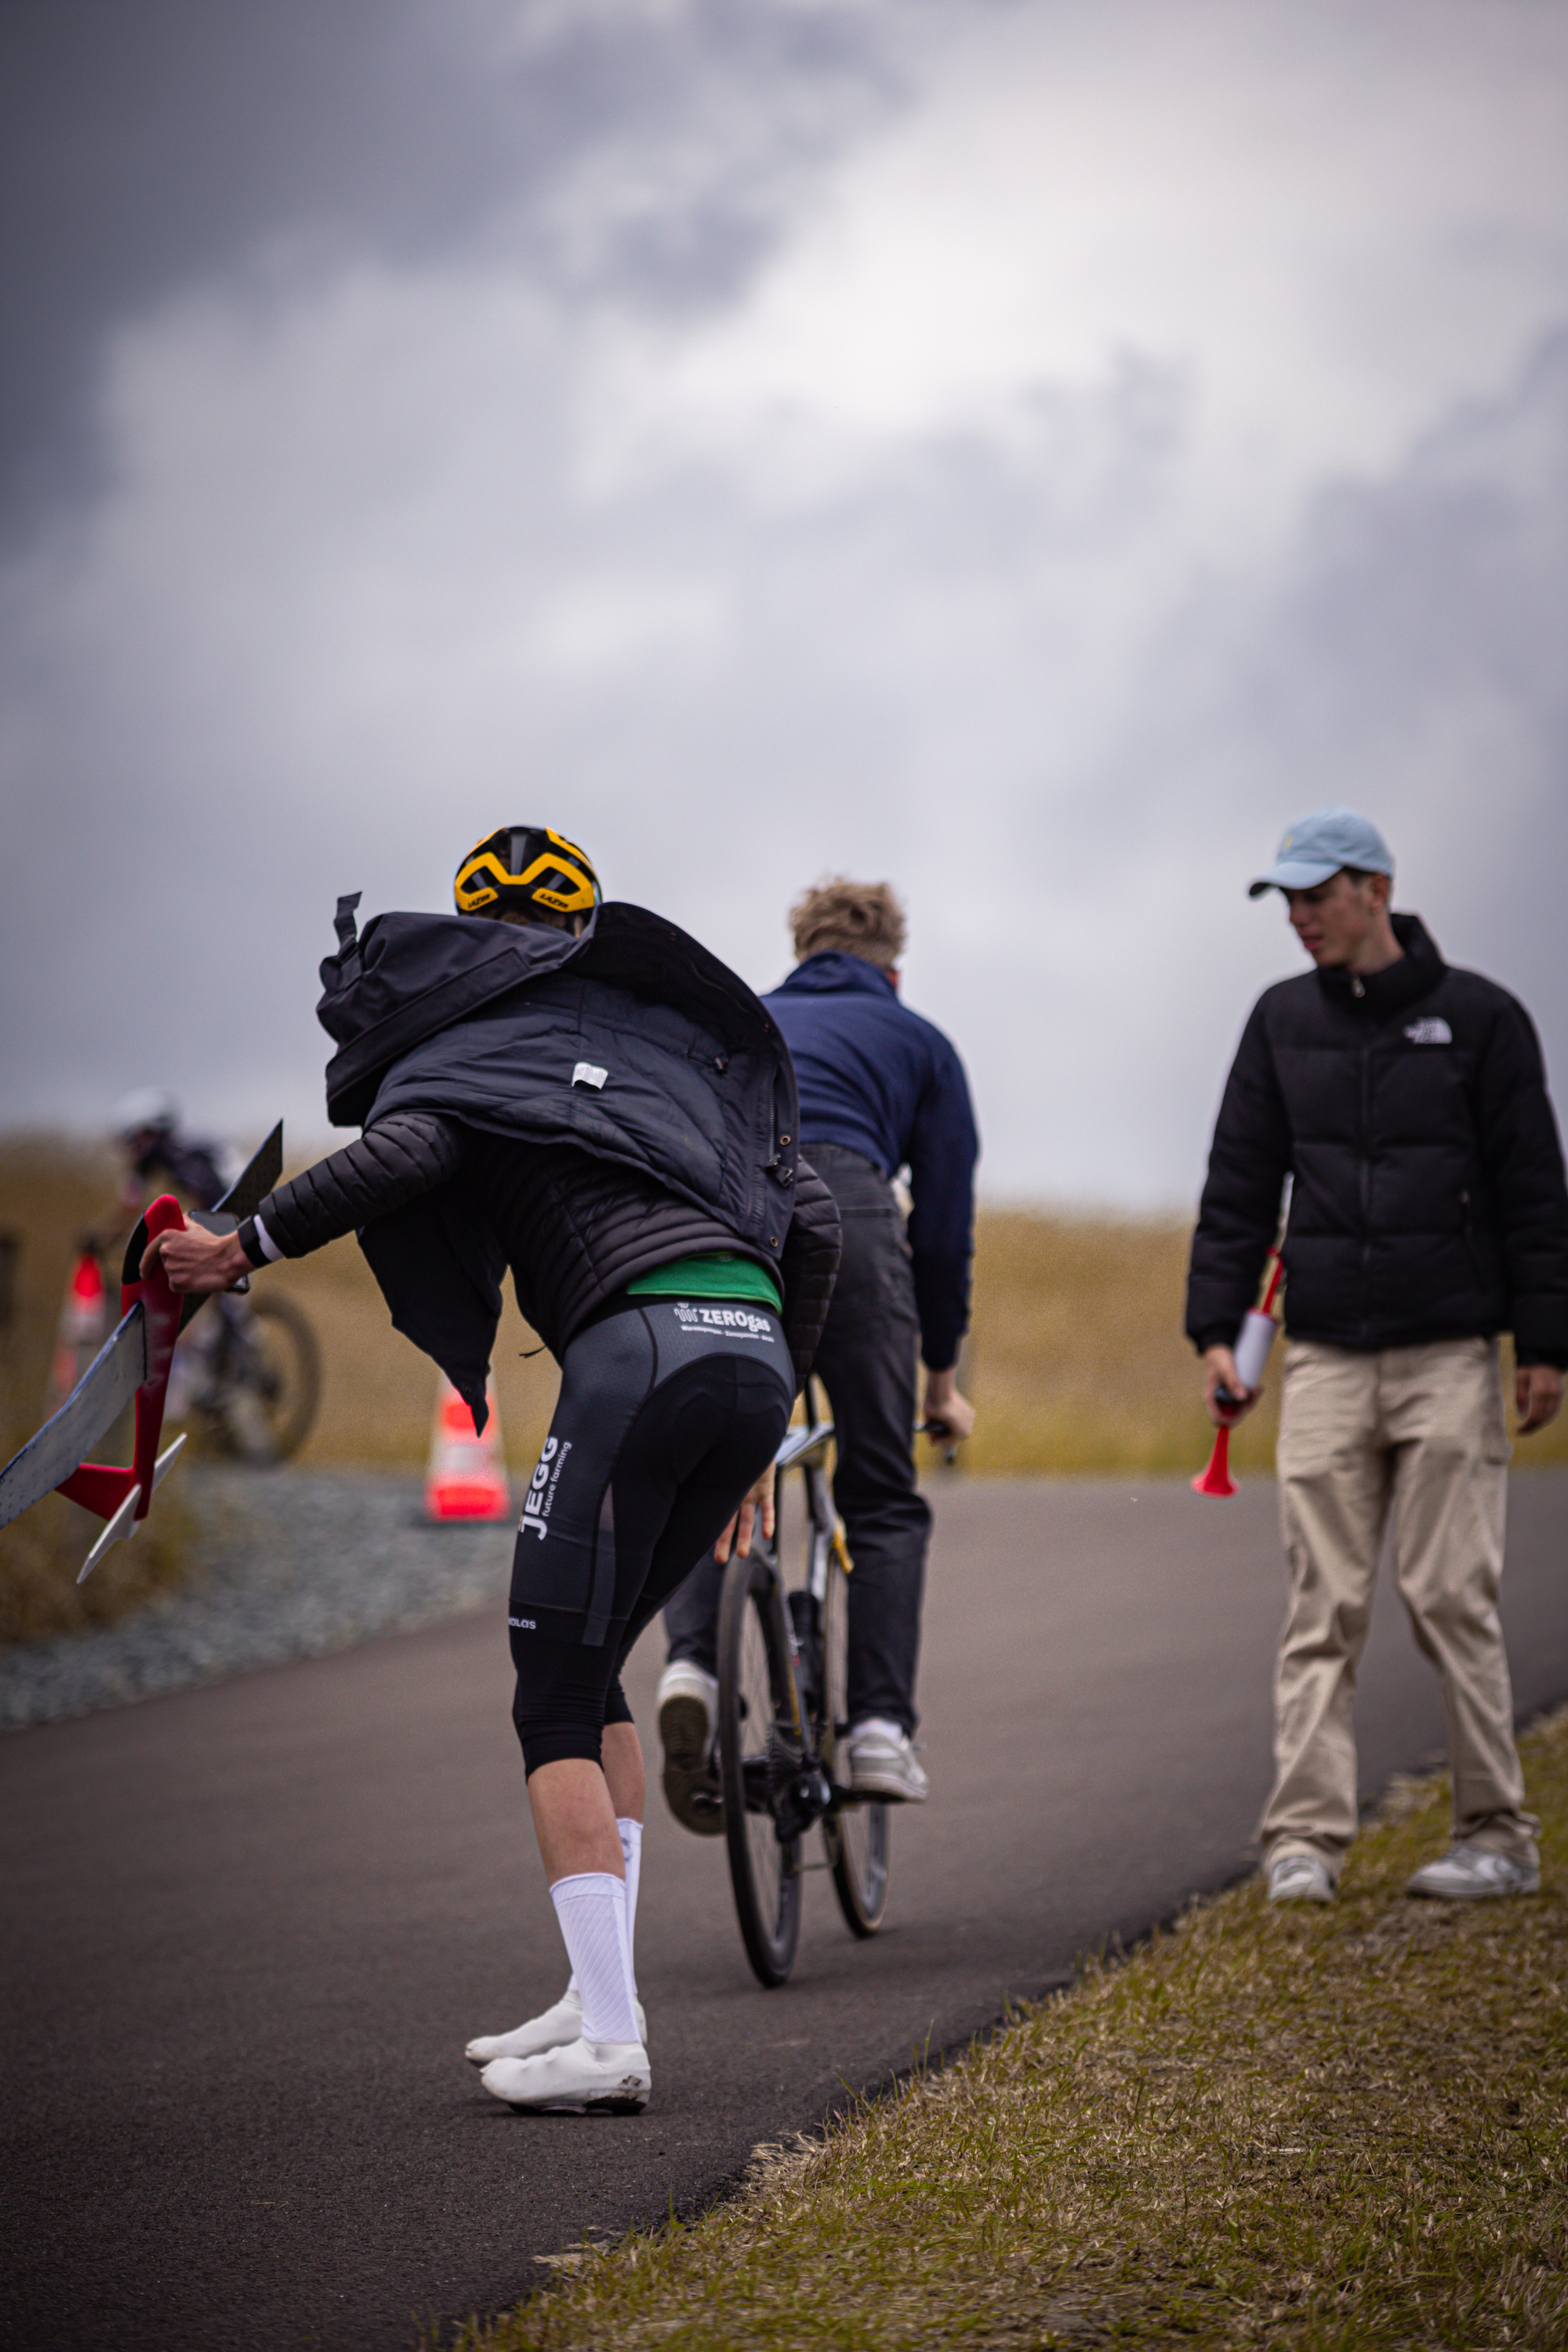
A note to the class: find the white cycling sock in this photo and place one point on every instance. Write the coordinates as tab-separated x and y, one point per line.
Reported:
631	1854
592	1909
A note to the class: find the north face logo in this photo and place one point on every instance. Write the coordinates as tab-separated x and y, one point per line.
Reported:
1430	1033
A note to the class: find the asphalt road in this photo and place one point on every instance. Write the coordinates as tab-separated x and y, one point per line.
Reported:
248	1928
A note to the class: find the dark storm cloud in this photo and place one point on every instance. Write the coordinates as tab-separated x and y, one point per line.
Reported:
1403	655
461	461
150	148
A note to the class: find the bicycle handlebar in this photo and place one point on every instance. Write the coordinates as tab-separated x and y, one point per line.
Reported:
799	1446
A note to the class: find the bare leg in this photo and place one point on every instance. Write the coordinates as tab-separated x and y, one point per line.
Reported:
624	1770
575	1806
574	1818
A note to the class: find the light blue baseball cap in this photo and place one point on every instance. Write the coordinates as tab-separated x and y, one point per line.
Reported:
1312	847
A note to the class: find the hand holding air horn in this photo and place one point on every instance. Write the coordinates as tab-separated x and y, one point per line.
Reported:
1250	1354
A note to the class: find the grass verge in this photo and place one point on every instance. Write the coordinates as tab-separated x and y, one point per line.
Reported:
1325	2129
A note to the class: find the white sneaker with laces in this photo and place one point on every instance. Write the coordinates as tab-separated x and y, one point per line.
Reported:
687	1706
1467	1873
882	1762
551	2030
1299	1878
576	2078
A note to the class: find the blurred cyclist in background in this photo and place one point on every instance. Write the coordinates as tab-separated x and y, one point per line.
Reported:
159	1159
198	1170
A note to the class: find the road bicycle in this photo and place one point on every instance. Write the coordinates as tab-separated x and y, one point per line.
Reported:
256	1394
782	1721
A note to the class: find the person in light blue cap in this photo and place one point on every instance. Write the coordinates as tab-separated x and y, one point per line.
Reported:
1315	848
1406	1103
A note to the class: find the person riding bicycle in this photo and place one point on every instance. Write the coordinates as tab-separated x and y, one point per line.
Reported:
581	1091
145	1125
880	1088
159	1158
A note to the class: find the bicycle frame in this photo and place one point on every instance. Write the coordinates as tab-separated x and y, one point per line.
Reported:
815	1793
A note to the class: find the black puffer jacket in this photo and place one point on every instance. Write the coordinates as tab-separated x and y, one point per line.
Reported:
442	1211
1429	1201
584	1109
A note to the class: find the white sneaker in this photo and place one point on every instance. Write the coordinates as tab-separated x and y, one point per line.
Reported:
548	2030
687	1716
577	2078
1465	1873
883	1763
1299	1878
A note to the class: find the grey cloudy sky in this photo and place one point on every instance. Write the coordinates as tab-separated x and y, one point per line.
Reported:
1029	450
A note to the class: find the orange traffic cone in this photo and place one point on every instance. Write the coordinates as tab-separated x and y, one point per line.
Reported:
83	1326
1216	1479
467	1478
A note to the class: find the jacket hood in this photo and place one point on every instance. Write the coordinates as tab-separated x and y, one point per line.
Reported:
1382	993
408	976
834	972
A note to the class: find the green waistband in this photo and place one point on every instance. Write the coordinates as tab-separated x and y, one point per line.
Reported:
714	1274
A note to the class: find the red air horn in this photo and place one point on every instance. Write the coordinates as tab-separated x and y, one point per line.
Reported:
1252	1345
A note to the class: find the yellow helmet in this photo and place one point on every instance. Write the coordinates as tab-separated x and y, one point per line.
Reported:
526	866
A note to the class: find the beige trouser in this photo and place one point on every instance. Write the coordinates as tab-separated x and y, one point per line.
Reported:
1417	1431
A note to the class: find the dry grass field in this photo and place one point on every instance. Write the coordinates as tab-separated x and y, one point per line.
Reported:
1077	1363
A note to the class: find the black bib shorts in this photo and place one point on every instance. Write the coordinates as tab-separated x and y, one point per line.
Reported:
667	1410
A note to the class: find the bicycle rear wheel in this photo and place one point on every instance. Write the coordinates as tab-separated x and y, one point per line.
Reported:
272	1382
856	1835
759	1759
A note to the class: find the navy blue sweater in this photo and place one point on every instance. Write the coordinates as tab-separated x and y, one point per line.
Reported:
877	1078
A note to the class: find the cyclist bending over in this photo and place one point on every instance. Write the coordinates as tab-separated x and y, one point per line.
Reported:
584	1093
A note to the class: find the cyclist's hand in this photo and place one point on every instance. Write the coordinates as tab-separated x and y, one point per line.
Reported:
949	1416
196	1261
741	1528
1220	1373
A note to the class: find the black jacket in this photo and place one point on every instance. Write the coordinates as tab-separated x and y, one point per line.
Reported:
1428	1204
584	1110
877	1078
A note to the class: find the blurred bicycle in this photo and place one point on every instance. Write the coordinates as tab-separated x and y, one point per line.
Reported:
247	1377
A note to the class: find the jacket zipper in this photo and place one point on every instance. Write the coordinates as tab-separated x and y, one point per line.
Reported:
1467	1233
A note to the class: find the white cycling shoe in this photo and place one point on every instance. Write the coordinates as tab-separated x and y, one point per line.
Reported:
577	2078
551	2029
688	1705
883	1763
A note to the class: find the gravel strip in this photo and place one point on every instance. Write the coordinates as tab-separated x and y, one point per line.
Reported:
288	1565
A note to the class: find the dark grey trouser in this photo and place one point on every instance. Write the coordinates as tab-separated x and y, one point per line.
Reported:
868	1365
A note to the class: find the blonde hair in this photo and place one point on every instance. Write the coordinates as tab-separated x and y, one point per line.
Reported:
861	918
